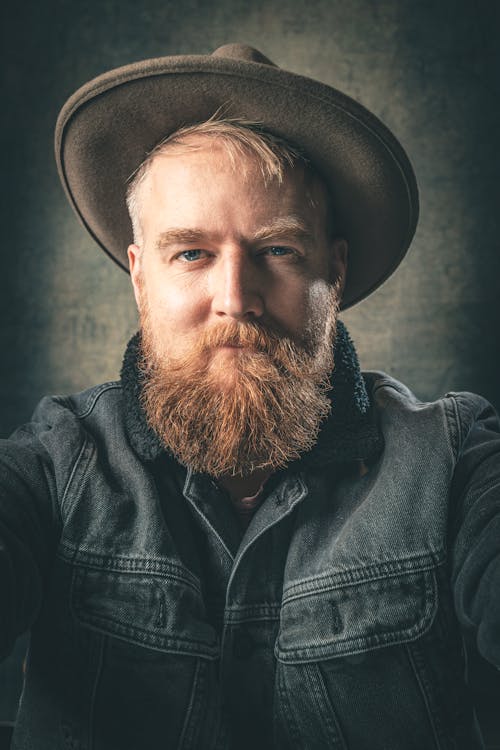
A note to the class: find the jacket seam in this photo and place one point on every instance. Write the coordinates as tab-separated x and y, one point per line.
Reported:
93	697
482	489
252	613
107	626
187	729
452	426
358	644
324	707
458	421
132	565
145	639
353	577
423	693
95	395
73	471
385	381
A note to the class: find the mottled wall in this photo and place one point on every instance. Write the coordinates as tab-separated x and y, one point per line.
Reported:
430	70
431	73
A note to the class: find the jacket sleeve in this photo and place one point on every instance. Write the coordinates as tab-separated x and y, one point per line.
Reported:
29	528
475	519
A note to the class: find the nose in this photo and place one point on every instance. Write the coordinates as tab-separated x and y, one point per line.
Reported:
237	290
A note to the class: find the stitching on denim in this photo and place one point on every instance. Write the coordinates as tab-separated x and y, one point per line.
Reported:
76	467
94	396
385	381
292	492
211	528
461	405
453	424
135	565
251	542
362	574
249	619
350	647
257	613
141	637
135	634
425	697
362	643
93	696
285	709
314	677
185	739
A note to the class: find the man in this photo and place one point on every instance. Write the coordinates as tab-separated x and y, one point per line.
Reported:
246	542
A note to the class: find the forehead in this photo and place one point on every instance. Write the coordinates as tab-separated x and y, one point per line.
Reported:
202	171
207	153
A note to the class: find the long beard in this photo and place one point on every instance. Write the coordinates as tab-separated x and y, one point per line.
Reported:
260	409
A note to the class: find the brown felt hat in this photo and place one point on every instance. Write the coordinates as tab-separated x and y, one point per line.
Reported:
106	129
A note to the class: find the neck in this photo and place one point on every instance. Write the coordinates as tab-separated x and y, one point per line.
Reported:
248	486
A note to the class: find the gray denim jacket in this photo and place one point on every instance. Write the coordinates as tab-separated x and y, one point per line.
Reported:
336	621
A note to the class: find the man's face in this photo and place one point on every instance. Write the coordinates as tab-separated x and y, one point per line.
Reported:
225	253
219	245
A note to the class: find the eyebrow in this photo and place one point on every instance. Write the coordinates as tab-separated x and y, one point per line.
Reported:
287	226
179	236
282	228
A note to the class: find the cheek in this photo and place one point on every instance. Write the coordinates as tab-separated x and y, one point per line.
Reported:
174	318
174	301
288	304
322	304
319	294
308	301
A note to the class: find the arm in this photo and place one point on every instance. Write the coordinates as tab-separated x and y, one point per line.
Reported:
29	527
475	520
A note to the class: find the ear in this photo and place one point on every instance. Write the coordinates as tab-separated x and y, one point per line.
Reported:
134	253
338	262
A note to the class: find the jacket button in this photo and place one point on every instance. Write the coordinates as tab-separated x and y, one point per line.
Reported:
243	645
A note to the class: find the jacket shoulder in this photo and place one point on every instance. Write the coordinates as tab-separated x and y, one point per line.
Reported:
60	424
77	405
460	410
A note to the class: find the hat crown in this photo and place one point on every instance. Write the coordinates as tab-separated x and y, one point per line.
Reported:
242	52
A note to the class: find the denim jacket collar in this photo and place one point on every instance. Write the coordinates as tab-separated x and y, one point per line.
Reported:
349	433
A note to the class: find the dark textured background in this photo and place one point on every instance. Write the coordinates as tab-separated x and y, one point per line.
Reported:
430	70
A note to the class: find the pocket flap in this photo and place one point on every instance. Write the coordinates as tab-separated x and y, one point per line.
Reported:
163	613
349	619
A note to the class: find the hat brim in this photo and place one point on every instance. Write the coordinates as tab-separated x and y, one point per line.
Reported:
106	129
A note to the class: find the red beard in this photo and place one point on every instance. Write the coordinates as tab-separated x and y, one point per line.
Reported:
256	406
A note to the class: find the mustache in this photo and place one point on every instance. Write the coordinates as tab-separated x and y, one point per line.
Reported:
253	335
257	341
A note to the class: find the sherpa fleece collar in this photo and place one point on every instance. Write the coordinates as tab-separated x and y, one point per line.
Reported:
349	433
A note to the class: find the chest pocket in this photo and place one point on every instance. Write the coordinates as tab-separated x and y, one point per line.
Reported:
342	648
163	611
324	619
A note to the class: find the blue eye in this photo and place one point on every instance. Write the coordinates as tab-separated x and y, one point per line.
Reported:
191	255
278	250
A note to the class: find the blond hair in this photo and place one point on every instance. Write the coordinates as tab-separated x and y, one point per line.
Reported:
239	138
